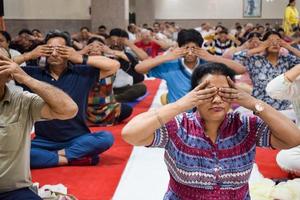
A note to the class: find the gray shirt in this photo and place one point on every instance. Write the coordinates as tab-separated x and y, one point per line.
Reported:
18	112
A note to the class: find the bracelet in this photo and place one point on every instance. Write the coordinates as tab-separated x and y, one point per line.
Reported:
158	118
84	59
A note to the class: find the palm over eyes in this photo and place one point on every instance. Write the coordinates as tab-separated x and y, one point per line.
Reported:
233	94
204	94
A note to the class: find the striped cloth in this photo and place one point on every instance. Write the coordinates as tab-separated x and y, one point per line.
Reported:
102	106
218	48
200	169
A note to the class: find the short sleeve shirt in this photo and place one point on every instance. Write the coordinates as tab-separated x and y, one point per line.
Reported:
194	161
76	81
178	79
18	112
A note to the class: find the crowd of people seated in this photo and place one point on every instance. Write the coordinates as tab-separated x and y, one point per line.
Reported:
63	83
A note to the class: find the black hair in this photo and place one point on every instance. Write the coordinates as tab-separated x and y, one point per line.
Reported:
61	34
296	28
280	29
239	27
118	33
37	30
260	26
92	39
6	35
130	26
219	26
253	34
267	34
102	26
210	68
291	1
150	29
186	36
115	32
224	30
124	34
27	31
84	27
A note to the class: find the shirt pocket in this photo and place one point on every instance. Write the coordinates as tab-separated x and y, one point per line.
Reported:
10	136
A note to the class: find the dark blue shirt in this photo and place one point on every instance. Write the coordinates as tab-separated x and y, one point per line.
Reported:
76	81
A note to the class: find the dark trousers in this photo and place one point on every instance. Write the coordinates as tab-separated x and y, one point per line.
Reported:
130	93
20	194
126	111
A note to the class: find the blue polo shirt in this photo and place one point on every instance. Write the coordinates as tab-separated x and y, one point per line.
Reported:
178	79
76	81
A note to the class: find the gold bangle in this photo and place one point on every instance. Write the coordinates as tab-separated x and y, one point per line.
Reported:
158	118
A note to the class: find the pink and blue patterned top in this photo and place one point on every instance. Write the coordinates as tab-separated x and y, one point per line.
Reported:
200	169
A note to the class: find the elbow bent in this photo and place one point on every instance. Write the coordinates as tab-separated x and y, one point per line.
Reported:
70	111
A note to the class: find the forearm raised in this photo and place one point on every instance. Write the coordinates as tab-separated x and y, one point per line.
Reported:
237	67
21	58
143	126
293	50
103	63
282	128
60	104
141	54
148	64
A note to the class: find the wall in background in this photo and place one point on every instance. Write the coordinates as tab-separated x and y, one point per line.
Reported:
214	9
193	23
47	9
13	26
70	15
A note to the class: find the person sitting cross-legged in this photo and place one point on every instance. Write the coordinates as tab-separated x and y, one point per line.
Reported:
70	141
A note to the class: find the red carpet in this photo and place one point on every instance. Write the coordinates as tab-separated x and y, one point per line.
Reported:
98	182
266	161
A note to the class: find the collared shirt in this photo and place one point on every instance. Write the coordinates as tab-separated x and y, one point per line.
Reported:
261	72
203	170
187	68
177	77
18	112
76	81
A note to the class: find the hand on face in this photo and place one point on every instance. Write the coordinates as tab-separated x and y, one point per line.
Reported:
283	43
200	95
11	70
68	53
203	54
96	49
233	94
41	50
177	52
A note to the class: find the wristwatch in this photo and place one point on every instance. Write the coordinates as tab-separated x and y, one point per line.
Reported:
258	108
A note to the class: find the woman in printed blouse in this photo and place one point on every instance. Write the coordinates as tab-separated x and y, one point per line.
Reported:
210	153
264	63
